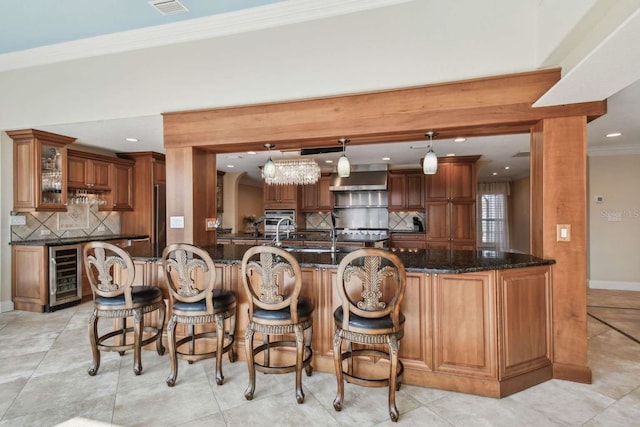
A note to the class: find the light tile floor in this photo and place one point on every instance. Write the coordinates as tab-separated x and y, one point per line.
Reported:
43	382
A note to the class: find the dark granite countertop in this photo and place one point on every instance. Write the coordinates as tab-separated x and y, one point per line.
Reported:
420	260
308	235
76	240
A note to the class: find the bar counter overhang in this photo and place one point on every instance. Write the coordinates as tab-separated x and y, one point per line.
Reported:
477	322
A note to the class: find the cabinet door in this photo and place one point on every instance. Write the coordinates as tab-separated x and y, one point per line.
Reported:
414	191
437	221
77	172
99	175
122	187
464	328
396	192
325	197
309	198
29	277
463	222
462	181
436	186
289	195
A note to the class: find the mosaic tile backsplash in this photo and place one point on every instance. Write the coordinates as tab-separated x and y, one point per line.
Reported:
79	221
398	221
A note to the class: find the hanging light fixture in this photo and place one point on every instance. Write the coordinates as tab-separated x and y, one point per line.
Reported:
269	168
430	163
344	167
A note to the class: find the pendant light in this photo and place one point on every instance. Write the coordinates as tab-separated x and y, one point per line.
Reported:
269	168
344	168
430	163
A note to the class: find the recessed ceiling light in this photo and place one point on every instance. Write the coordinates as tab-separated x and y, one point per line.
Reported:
450	155
328	161
507	167
460	140
495	173
613	134
252	153
230	166
386	159
132	139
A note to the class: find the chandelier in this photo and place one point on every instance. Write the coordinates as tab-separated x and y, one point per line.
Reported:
290	171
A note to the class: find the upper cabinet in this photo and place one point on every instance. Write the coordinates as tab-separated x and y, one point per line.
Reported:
280	196
406	190
316	197
87	172
40	170
450	204
121	198
220	191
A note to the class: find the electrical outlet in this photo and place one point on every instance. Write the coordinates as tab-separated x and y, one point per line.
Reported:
45	232
17	220
101	227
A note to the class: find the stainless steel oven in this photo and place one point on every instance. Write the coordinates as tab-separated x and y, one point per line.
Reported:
65	276
273	216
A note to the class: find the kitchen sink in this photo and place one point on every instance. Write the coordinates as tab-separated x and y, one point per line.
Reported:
314	249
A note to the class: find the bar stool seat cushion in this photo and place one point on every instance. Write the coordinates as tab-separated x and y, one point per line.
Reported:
221	298
365	322
305	308
139	295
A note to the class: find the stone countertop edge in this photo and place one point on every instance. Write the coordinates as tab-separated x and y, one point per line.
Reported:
321	238
422	260
76	240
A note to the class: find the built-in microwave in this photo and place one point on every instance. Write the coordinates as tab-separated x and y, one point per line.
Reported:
273	216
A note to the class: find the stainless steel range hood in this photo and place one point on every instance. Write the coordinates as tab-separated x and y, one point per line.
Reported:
362	178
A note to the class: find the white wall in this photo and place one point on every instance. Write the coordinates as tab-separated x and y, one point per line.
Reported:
614	224
6	205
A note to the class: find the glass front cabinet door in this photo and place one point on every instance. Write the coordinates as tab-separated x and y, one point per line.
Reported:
39	170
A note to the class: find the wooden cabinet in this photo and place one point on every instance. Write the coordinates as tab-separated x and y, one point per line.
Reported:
29	277
450	204
39	170
149	171
220	191
280	196
121	187
406	190
316	197
407	241
87	172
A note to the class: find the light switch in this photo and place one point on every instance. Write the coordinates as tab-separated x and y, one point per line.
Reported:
563	232
176	222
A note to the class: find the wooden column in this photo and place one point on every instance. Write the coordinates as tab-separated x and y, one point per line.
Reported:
559	196
191	194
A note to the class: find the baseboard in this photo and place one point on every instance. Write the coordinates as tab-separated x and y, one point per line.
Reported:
614	285
6	306
575	373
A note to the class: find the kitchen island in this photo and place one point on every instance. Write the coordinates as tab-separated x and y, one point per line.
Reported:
476	321
307	237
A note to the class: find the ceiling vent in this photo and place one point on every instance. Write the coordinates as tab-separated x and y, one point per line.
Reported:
522	154
168	7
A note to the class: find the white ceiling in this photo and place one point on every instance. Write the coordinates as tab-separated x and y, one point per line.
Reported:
104	89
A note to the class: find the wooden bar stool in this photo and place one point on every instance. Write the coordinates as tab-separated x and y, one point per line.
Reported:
371	285
275	308
111	274
191	279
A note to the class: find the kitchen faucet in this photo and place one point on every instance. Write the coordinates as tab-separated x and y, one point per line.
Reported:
291	221
332	234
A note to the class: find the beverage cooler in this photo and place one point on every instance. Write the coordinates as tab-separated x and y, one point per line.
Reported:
65	276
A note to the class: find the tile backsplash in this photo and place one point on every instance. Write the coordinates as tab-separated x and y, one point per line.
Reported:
398	221
81	220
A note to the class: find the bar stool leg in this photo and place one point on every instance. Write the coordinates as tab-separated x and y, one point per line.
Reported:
299	333
248	346
337	361
393	355
219	345
162	313
138	326
171	343
232	334
93	341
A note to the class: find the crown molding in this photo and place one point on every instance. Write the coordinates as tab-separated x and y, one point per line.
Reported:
613	150
257	18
